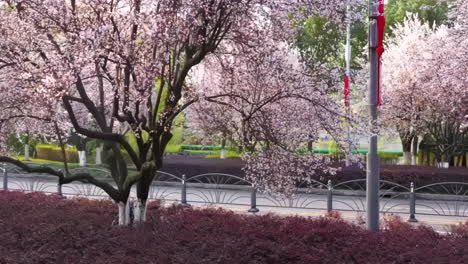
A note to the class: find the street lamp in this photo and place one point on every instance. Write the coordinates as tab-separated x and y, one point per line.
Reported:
376	30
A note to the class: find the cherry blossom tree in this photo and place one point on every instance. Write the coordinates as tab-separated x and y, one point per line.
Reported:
404	67
460	15
128	65
448	86
424	78
275	106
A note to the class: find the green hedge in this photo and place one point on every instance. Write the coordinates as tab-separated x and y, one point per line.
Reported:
54	153
200	147
382	154
173	148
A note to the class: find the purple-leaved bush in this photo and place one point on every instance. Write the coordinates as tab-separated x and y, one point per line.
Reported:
36	228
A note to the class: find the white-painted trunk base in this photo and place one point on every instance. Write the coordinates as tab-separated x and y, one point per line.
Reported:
124	214
26	152
140	212
82	157
347	161
444	165
99	155
223	153
407	156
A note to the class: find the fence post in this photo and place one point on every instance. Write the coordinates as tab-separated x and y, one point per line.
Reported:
5	178
253	200
330	196
183	199
59	189
412	205
59	185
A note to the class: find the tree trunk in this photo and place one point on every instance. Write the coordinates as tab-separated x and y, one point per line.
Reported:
143	188
223	153
26	147
62	148
310	145
406	151
406	137
223	147
82	157
414	160
125	213
407	157
26	151
140	211
240	149
99	154
445	158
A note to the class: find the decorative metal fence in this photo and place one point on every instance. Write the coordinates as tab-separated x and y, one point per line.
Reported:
444	199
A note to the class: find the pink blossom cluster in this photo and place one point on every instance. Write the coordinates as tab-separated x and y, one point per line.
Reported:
425	75
277	171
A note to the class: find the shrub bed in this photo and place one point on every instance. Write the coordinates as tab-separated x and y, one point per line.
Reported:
36	228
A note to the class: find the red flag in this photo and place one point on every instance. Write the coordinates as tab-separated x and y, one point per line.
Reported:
346	90
380	46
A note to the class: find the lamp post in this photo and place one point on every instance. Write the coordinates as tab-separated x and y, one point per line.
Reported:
376	27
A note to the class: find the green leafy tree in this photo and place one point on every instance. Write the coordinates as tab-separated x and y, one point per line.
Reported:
321	42
433	12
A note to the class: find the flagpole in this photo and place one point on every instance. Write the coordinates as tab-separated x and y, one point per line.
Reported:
348	78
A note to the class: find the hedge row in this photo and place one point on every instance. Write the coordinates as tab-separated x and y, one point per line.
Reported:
54	153
200	147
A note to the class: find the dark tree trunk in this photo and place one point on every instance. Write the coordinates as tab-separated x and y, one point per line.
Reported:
406	143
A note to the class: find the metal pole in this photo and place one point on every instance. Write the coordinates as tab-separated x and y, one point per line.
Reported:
373	166
330	197
183	199
59	185
412	217
253	200
348	43
348	74
5	178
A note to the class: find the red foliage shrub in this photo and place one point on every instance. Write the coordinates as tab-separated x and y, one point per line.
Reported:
334	215
36	228
460	230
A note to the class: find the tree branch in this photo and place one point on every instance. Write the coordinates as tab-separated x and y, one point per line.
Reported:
100	135
30	169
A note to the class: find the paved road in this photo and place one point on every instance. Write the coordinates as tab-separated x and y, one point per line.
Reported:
437	213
